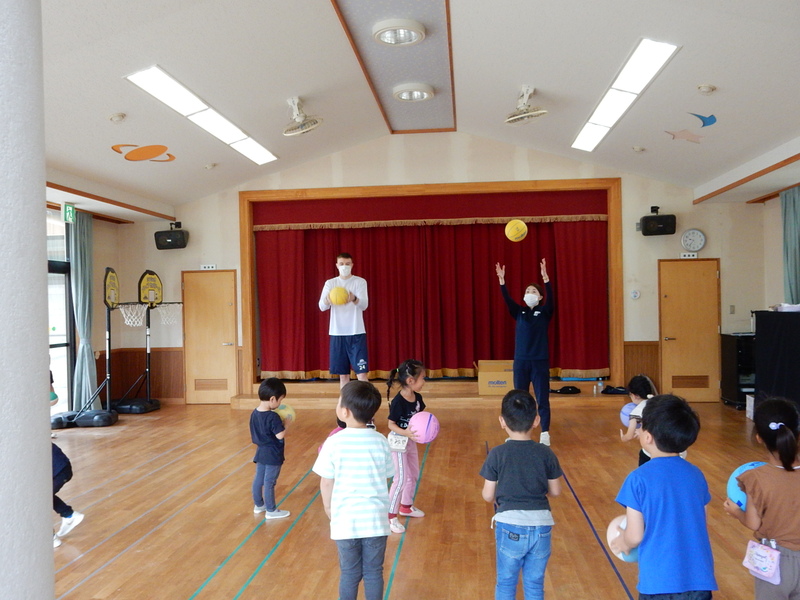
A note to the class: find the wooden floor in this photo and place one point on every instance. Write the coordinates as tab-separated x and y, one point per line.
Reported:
169	512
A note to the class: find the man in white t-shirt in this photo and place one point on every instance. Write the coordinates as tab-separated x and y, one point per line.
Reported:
348	343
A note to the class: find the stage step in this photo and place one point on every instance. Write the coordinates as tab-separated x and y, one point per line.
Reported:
324	394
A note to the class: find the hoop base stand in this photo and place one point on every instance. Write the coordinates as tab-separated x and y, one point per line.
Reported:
135	406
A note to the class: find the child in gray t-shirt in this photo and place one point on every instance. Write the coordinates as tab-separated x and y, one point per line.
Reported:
520	474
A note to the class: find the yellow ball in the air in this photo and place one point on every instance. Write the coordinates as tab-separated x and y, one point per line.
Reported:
338	295
285	412
516	230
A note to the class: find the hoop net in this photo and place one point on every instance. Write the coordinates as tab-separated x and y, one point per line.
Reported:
133	313
169	312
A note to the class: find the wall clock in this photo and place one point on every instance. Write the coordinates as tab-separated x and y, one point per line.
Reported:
693	240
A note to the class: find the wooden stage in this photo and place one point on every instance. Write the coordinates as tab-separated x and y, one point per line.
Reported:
169	513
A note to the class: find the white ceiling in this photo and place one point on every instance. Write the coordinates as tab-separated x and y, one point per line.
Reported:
247	57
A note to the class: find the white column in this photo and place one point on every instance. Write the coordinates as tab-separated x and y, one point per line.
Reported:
26	553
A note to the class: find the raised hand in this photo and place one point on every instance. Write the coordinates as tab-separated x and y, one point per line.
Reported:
501	273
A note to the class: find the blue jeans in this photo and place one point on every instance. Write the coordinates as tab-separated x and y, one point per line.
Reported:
361	559
265	479
521	548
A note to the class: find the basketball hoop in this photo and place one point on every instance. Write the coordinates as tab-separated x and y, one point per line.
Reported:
169	312
133	313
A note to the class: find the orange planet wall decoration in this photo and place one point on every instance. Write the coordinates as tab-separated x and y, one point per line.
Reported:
151	153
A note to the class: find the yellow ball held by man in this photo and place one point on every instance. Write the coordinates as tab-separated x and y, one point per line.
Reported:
338	295
286	413
516	230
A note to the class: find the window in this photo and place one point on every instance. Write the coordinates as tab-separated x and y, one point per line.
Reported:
61	324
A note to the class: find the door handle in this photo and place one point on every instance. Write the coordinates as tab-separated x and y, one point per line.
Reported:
227	343
668	338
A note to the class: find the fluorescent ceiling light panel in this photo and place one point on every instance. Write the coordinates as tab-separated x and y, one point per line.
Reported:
590	136
612	107
637	73
218	126
254	151
643	65
157	83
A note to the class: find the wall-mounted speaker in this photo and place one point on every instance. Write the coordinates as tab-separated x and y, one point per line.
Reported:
658	224
174	238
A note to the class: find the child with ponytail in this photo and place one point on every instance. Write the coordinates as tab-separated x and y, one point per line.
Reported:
408	402
772	491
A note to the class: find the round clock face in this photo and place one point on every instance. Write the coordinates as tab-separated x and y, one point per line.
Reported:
693	240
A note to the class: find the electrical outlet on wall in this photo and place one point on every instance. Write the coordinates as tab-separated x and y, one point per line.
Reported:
208	267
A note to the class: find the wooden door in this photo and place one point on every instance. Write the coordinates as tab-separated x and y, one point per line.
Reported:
209	336
689	328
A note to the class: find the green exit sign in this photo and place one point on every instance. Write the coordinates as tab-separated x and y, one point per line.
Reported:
68	212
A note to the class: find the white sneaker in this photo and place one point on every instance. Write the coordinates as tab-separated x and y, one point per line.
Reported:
545	438
70	523
395	526
259	509
413	512
276	514
56	541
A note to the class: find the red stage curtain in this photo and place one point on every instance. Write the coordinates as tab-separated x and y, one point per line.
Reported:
434	295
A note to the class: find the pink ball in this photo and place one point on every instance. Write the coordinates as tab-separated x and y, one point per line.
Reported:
425	426
335	430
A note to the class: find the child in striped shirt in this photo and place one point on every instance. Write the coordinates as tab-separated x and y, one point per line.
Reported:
354	465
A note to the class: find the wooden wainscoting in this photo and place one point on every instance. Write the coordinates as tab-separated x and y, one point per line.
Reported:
127	364
642	358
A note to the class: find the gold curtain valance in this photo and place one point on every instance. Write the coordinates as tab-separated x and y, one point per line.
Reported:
426	222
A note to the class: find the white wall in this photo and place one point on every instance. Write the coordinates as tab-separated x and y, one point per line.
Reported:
735	232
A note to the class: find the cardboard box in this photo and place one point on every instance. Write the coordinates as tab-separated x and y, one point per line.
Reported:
750	402
495	377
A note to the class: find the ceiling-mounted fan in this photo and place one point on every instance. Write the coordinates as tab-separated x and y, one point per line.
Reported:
301	123
525	112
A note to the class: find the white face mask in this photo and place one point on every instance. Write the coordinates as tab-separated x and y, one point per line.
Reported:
344	270
531	300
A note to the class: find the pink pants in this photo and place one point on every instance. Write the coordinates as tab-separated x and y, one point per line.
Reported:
406	473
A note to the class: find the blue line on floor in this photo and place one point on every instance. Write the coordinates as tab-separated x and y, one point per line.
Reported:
244	541
597	537
403	535
275	547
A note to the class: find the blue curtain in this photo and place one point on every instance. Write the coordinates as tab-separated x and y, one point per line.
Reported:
790	210
80	253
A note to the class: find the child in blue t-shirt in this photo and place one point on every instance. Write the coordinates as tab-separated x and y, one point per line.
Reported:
520	475
665	501
267	432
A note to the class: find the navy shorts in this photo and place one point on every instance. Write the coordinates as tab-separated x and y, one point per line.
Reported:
347	351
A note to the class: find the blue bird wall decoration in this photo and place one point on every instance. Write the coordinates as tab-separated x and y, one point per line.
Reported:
709	120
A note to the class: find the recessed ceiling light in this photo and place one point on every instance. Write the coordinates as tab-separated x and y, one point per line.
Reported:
157	83
590	136
254	151
217	125
638	149
413	92
398	32
612	107
643	65
639	70
117	118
